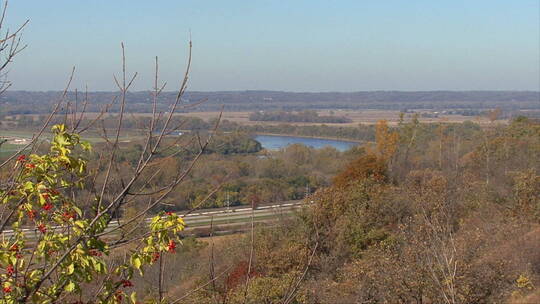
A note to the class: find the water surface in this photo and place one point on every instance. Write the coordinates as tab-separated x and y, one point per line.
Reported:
276	142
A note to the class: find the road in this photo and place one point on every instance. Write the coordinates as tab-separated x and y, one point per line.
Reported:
203	218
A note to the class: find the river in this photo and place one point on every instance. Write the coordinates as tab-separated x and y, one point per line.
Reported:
276	142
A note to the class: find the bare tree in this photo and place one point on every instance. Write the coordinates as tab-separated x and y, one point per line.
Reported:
105	191
10	46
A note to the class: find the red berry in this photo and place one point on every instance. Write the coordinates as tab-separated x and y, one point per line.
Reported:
94	252
10	270
7	289
67	216
31	214
47	206
21	158
172	246
14	247
42	228
118	296
155	256
126	283
168	213
30	166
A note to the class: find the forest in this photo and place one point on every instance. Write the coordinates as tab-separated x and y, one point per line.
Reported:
429	214
238	176
424	213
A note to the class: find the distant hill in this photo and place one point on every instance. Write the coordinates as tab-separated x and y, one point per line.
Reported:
26	102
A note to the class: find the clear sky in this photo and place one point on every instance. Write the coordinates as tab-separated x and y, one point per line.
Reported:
296	45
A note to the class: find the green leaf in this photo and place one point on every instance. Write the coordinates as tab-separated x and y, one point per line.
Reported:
28	186
86	145
59	128
136	261
80	224
70	287
35	274
78	210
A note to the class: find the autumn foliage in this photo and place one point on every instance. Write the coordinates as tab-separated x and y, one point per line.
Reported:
365	166
67	251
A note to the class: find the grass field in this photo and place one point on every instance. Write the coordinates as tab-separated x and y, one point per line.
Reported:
357	117
16	133
4	148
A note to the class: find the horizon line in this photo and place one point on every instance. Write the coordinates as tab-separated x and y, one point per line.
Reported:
284	91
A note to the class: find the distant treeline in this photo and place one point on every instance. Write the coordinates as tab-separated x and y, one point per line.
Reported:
303	116
231	129
195	124
26	102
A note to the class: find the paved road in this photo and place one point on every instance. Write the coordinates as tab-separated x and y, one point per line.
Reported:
203	218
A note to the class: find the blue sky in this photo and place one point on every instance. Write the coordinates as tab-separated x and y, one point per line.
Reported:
300	45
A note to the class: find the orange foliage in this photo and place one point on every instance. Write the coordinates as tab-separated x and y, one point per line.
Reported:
365	166
386	140
238	275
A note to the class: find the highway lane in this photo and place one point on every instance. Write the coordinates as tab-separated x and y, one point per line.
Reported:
203	218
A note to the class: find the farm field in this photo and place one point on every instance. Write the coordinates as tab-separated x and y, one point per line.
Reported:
357	117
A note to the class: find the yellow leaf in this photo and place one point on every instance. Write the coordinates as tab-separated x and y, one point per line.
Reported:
70	269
